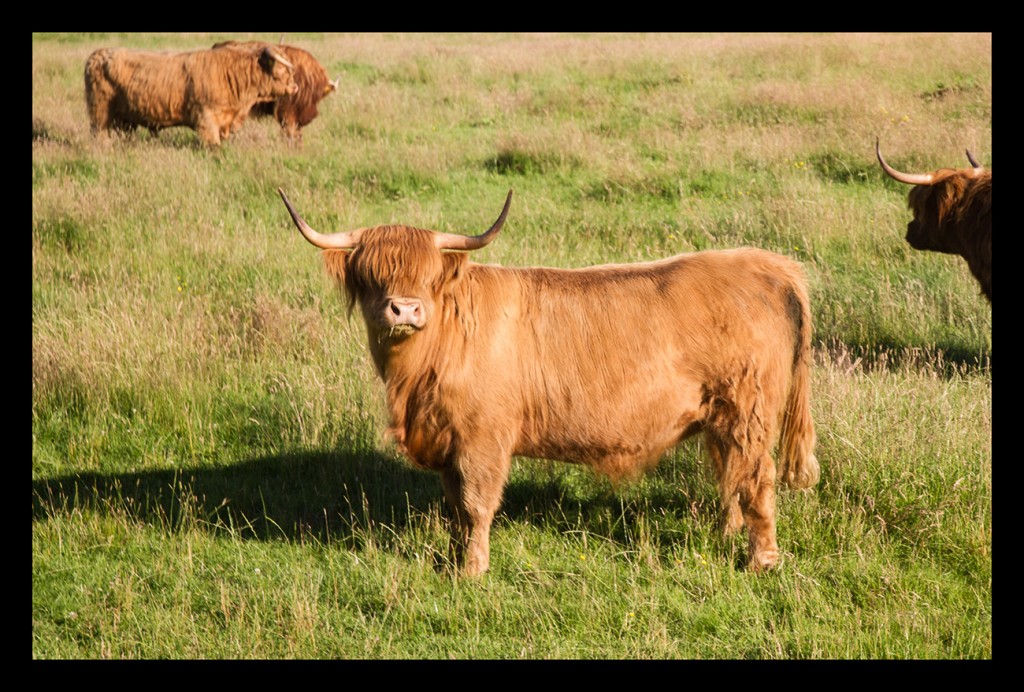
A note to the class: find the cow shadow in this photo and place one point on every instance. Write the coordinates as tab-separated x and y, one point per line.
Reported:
339	497
295	495
947	357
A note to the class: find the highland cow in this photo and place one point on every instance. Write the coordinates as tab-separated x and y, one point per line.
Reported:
952	214
607	366
206	90
293	111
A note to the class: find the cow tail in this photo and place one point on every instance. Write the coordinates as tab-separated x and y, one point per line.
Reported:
798	467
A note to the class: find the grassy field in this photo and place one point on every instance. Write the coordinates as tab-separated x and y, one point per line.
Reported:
210	477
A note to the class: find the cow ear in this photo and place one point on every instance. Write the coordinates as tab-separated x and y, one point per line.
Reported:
266	60
336	266
334	263
454	263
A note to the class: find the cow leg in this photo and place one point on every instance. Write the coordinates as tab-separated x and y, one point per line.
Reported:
747	485
100	116
237	123
757	501
473	488
292	133
208	128
750	479
99	95
458	522
731	516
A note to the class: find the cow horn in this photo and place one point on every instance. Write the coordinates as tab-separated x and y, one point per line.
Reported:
974	161
450	241
281	59
331	241
908	178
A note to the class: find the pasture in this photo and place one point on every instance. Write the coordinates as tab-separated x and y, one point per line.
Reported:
210	477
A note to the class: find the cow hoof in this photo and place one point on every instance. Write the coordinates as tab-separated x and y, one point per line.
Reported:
763	561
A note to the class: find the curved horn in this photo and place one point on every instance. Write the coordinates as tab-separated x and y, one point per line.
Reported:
974	161
908	178
280	58
331	241
450	241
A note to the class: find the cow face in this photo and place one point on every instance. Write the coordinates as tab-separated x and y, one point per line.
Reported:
926	231
939	201
282	72
940	208
399	278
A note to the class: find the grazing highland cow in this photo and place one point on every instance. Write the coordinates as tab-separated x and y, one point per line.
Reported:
607	366
206	90
293	111
952	214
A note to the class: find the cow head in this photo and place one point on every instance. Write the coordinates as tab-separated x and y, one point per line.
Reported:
399	275
938	201
282	72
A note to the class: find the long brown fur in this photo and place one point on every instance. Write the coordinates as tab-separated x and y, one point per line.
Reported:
953	214
206	90
294	111
606	366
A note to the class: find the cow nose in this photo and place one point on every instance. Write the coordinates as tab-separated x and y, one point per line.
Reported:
405	311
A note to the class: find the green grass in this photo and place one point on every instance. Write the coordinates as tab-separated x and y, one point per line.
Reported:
210	475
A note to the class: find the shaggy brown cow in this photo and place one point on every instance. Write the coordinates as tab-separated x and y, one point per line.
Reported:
608	366
206	90
952	214
293	111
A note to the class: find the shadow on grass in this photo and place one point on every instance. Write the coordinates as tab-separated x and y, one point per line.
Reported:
946	359
341	496
300	494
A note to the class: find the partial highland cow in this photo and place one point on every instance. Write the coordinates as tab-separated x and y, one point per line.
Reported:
607	366
293	111
952	214
206	90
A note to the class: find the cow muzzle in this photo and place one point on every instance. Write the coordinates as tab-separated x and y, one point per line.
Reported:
404	314
917	237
